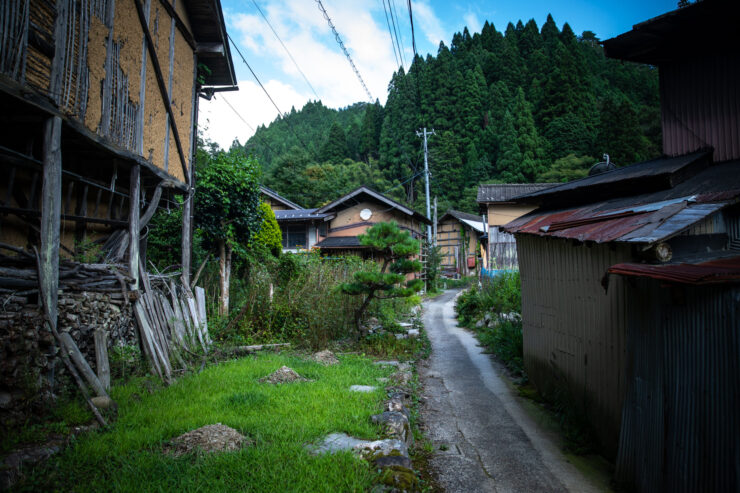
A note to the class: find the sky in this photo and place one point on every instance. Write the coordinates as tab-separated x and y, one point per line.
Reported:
363	28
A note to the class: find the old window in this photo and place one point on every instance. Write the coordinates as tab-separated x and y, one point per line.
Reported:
294	236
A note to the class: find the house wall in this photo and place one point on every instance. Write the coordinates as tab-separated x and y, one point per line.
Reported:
100	65
700	104
502	246
680	422
574	332
500	214
456	243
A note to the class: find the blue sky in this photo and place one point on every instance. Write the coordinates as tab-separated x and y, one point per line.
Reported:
363	28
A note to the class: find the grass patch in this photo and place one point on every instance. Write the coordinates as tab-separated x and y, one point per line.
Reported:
280	419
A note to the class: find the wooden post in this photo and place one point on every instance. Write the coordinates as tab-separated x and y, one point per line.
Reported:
133	224
82	365
186	236
51	210
101	358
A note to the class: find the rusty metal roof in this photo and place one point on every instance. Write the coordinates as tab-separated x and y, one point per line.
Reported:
712	272
645	218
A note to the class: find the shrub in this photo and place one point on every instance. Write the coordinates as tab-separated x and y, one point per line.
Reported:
269	235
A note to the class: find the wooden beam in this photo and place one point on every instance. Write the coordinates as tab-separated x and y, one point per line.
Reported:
102	364
162	86
51	208
133	225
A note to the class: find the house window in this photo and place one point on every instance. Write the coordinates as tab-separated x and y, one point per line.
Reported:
294	236
323	229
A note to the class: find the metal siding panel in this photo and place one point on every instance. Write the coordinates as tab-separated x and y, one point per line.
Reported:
573	331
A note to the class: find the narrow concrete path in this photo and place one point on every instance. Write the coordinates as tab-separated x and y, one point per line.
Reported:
483	440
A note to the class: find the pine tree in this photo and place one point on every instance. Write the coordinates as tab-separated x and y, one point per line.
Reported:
334	148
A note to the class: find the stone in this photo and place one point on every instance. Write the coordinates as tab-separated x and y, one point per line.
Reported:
413	333
283	375
363	388
405	325
400	479
383	379
402	377
387	363
208	439
401	336
395	425
480	324
487	317
393	461
373	449
326	358
373	322
102	402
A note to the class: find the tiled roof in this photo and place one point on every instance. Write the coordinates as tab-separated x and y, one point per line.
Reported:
504	192
340	242
299	215
276	196
369	192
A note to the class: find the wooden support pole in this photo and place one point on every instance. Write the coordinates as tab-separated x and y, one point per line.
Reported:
101	358
186	237
51	210
133	224
82	365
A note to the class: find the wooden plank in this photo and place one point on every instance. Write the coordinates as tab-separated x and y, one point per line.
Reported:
50	214
133	225
200	298
145	333
187	237
196	322
101	358
82	365
152	208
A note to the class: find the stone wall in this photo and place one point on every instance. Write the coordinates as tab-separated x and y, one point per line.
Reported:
30	365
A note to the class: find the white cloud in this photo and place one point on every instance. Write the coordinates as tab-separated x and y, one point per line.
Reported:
428	21
472	22
222	124
307	35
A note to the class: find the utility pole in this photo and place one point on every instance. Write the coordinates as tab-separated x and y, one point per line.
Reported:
435	221
424	133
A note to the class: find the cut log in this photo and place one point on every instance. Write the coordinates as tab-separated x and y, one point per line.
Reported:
101	358
82	365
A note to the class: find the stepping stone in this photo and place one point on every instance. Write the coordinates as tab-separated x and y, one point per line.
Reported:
339	442
405	324
383	379
363	388
387	363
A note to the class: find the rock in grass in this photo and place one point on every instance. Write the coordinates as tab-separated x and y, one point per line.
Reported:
326	358
368	449
208	439
283	375
102	402
396	425
363	388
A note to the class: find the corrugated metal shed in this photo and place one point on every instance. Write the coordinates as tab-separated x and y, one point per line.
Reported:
505	192
574	331
680	425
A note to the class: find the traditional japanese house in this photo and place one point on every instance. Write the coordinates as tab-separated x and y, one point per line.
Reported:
459	239
301	228
98	126
353	213
497	205
631	278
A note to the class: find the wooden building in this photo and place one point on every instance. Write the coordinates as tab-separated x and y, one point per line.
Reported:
631	278
497	205
459	239
98	127
355	212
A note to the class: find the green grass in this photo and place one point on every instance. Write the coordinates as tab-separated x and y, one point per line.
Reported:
280	419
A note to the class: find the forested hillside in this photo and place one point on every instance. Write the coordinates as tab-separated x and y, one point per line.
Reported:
529	104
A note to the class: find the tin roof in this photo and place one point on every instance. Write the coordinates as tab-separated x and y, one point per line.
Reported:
645	218
656	174
300	215
505	192
340	242
711	272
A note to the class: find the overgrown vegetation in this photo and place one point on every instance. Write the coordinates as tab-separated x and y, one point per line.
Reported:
280	419
493	309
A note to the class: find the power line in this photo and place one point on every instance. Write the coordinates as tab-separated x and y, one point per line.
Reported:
392	8
346	53
247	124
411	20
390	32
283	115
286	49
